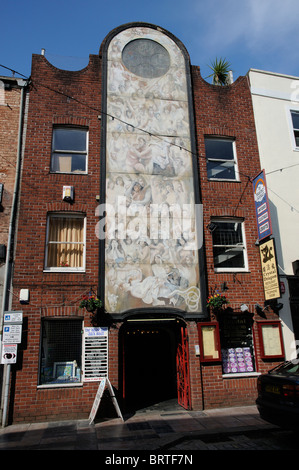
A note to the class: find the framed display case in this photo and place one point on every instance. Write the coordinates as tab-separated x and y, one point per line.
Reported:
209	342
270	336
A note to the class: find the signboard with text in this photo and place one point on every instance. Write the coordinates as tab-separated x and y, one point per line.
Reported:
269	270
262	209
9	353
12	334
95	354
13	317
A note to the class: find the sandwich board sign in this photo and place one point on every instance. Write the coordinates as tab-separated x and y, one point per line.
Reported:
104	382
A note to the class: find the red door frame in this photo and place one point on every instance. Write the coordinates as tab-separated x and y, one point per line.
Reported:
183	378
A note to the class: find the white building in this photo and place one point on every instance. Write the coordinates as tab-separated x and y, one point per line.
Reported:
276	109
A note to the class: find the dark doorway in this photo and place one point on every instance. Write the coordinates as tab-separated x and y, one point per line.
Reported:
149	362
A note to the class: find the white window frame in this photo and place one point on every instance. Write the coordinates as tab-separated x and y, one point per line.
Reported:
232	269
292	129
234	161
55	151
65	268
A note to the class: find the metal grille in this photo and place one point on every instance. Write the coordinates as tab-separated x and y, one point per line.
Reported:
61	343
227	233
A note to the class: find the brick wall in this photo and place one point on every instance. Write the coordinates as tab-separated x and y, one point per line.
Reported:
61	97
56	97
227	111
10	100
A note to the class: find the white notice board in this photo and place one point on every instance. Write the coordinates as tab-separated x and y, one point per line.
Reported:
9	353
95	358
12	334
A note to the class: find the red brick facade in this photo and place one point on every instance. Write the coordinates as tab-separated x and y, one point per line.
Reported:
56	97
74	98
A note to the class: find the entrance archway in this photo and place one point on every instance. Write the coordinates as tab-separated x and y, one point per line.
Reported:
149	350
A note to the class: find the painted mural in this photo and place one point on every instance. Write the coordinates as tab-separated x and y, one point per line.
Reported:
151	253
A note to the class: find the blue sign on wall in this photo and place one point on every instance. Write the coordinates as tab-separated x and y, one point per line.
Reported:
262	209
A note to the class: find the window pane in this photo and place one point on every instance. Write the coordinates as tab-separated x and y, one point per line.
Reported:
61	351
66	163
227	233
228	248
297	138
225	170
220	149
65	242
295	118
228	257
69	139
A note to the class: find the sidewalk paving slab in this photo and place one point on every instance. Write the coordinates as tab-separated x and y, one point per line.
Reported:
157	428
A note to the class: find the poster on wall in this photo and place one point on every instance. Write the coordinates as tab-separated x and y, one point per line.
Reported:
269	270
262	209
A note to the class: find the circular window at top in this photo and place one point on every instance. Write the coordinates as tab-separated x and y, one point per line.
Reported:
146	58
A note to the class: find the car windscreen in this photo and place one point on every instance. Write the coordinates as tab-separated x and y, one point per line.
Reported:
290	368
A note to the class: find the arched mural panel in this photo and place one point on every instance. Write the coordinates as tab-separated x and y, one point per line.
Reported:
151	246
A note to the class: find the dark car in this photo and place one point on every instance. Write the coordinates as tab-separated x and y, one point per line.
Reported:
278	395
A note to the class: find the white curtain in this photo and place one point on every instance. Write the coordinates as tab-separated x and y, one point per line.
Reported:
65	242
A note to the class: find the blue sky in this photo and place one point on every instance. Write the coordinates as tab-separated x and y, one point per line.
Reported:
259	34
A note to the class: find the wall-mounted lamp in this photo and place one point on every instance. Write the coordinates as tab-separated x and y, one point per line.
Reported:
224	286
275	306
211	227
260	310
244	308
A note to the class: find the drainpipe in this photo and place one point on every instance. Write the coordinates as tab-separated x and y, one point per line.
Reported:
7	277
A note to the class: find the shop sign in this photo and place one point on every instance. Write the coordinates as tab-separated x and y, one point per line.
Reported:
269	270
9	353
12	334
262	209
95	365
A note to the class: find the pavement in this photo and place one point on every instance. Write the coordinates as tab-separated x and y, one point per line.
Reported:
161	429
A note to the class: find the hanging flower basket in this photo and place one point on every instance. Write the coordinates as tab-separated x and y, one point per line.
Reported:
90	302
216	301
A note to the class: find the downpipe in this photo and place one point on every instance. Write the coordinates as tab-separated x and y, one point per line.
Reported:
7	277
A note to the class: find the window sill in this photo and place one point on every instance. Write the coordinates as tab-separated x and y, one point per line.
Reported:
240	374
231	270
68	173
73	384
64	270
218	180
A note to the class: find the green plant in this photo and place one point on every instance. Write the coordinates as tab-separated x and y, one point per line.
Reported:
220	70
90	302
216	301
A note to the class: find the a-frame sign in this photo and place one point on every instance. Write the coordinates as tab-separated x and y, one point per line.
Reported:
104	382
